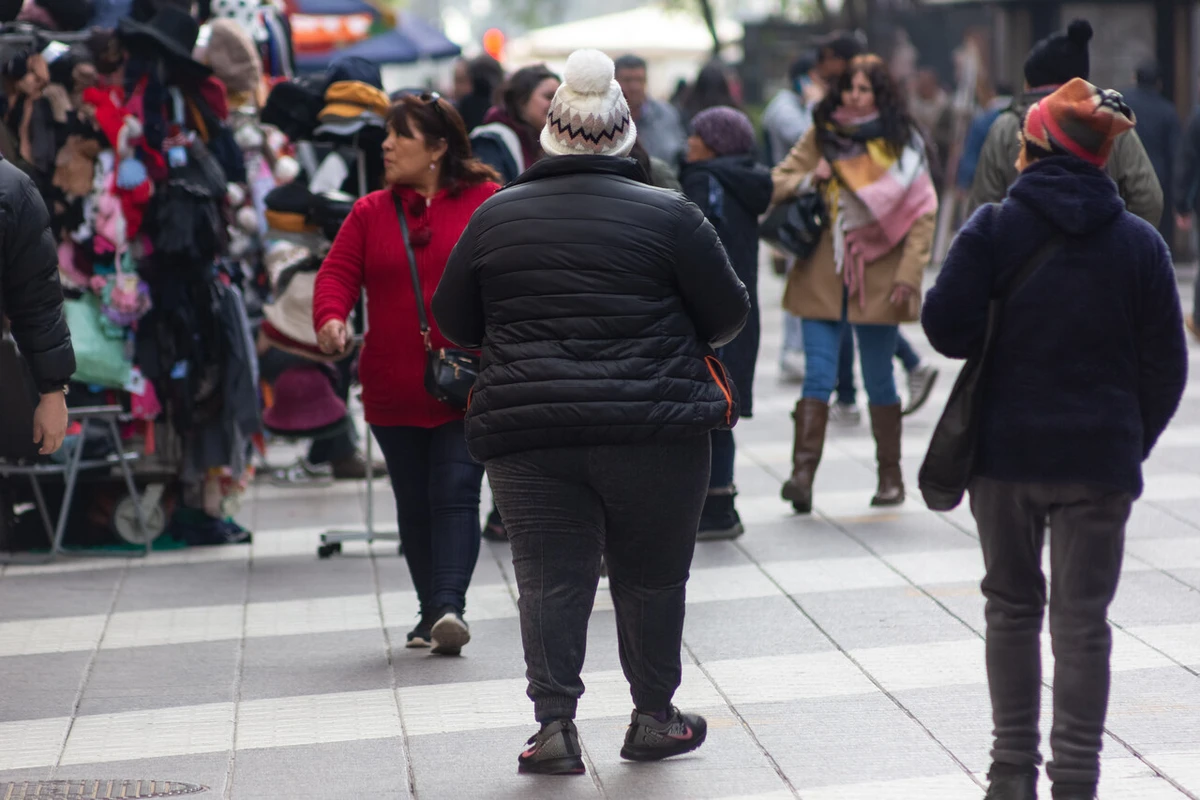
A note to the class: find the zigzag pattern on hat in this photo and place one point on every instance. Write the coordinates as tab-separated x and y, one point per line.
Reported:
568	130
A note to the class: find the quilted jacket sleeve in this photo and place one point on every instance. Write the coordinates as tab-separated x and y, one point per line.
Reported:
715	298
32	295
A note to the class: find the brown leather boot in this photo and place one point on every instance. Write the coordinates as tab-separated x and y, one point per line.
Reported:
885	424
811	416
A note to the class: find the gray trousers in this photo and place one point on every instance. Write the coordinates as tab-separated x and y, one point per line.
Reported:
1087	542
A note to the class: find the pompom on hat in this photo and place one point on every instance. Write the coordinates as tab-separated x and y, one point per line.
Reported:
589	115
1078	119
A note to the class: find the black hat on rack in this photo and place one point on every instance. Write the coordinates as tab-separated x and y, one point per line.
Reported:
71	15
293	106
171	33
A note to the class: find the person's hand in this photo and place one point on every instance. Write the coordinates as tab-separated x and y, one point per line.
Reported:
50	422
822	172
332	337
902	295
1184	222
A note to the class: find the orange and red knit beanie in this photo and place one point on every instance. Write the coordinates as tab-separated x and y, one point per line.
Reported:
1079	119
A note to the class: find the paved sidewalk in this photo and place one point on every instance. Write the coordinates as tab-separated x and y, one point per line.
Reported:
837	657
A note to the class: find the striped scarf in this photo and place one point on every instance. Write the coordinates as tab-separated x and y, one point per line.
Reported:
876	196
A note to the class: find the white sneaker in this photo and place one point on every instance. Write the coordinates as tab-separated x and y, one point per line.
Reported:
791	366
920	385
845	414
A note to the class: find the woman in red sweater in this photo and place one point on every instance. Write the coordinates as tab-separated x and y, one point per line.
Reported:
434	178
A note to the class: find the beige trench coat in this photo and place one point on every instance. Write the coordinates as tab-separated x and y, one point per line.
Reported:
814	288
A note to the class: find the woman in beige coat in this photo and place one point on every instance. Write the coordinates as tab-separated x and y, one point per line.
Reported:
864	155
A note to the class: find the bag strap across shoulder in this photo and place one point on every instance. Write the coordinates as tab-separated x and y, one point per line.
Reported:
1035	262
412	266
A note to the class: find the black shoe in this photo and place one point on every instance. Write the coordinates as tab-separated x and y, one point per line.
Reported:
720	519
1011	783
1074	791
494	531
647	739
554	750
422	635
450	633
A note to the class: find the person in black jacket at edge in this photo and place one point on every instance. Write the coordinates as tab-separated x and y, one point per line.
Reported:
1087	368
598	302
723	179
31	298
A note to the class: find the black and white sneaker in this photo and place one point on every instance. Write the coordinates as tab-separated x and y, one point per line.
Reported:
422	635
920	385
450	633
554	750
647	739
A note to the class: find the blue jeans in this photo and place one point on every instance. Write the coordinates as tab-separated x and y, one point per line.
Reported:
846	392
876	346
436	483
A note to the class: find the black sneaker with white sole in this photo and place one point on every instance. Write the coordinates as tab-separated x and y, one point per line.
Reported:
647	739
554	750
449	633
422	635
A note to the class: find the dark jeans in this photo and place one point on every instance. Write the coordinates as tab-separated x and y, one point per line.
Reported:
275	362
436	483
846	391
724	451
639	507
1087	542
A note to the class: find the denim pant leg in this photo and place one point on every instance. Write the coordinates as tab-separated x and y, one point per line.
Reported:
1012	532
454	484
905	352
793	333
724	451
555	523
876	348
1087	544
847	393
653	494
406	452
822	338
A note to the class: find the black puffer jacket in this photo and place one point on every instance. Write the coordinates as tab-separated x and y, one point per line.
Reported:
30	294
597	300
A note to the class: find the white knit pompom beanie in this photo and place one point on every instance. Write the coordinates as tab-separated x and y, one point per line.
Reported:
589	115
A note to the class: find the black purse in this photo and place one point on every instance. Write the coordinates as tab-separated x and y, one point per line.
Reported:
449	374
18	400
795	227
950	462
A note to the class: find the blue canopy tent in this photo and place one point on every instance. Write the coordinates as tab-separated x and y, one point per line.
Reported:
412	40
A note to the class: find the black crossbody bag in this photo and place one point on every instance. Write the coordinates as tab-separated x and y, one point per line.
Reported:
950	462
449	374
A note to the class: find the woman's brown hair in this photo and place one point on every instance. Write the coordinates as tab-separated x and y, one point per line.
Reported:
439	120
898	125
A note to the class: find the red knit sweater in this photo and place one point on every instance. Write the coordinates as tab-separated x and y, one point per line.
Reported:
369	253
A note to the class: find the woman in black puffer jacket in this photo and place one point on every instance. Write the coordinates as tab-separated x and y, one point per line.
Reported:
598	302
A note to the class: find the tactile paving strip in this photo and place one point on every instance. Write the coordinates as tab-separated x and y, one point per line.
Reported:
97	789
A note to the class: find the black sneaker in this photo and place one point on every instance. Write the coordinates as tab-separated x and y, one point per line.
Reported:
554	750
647	739
495	531
450	633
720	519
1007	782
422	635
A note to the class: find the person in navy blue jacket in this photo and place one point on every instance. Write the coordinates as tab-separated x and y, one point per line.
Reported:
1088	367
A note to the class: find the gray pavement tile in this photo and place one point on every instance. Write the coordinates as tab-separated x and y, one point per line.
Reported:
143	678
17	776
1154	598
906	533
798	538
1156	709
766	626
960	717
831	741
718	554
729	764
58	594
38	686
208	769
484	764
285	666
1180	518
184	585
368	769
963	600
494	653
841	475
315	510
1190	577
305	577
869	618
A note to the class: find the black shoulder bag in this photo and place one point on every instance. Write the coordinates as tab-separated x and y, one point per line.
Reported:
449	374
795	226
950	461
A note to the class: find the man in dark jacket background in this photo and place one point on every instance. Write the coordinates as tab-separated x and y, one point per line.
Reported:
31	298
598	301
1159	129
1087	368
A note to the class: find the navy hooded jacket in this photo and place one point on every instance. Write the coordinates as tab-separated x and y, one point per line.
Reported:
1090	360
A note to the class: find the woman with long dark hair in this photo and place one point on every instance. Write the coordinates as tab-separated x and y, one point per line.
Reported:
508	139
867	159
710	90
434	181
